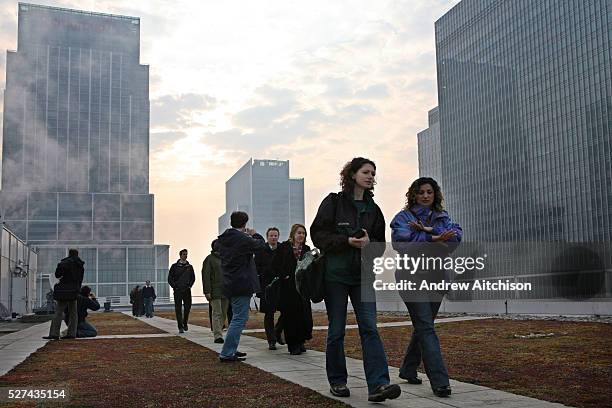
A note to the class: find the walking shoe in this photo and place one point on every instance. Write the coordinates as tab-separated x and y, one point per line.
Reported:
411	380
181	330
302	348
219	340
443	391
51	337
240	354
272	346
384	392
67	337
231	359
185	327
340	390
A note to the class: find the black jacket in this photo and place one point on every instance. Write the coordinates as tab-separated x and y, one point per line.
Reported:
284	267
337	219
148	291
70	272
297	313
181	276
83	303
263	262
237	249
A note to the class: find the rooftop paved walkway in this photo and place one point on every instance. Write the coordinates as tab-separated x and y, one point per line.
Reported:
308	370
390	324
16	347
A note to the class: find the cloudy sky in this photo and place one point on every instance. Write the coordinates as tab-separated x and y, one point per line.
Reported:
312	82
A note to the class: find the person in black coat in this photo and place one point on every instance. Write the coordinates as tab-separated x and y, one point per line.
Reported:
134	294
237	247
148	297
85	300
347	222
181	278
263	262
70	272
296	312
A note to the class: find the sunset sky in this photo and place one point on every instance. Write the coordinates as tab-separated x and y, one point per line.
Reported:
312	82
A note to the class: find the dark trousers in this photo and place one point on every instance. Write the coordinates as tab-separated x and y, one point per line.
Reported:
374	357
269	326
424	344
182	297
279	327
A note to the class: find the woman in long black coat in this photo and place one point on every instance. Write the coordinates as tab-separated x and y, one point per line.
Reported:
296	312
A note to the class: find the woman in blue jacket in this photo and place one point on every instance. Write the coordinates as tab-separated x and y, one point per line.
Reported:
423	219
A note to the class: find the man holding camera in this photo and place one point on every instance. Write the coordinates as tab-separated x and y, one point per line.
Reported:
237	247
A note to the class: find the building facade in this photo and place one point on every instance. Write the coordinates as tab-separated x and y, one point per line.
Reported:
75	159
264	190
525	107
18	275
430	162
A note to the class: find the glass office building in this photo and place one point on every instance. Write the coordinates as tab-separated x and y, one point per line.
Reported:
525	101
263	189
525	111
428	141
75	158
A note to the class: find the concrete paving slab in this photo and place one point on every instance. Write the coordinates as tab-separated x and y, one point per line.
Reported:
308	370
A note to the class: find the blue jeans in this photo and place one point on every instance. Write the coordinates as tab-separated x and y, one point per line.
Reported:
240	309
374	358
148	306
86	329
424	344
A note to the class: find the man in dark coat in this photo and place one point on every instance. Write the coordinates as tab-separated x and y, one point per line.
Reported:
85	300
148	297
181	278
237	247
263	262
70	272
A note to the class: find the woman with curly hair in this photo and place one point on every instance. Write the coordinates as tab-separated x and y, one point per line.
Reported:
347	222
423	219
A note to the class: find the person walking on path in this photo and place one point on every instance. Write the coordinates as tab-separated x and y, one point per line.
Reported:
423	219
148	297
296	312
346	222
263	262
237	247
135	294
70	272
181	278
212	285
85	300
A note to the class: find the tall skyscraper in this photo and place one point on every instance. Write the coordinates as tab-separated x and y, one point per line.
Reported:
429	147
525	105
75	158
263	189
525	101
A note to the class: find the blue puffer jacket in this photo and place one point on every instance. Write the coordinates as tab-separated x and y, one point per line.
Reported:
440	221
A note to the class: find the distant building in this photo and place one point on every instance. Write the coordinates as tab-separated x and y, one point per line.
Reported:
75	160
430	162
263	189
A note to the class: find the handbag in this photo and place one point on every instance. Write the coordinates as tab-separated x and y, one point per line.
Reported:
310	276
62	291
